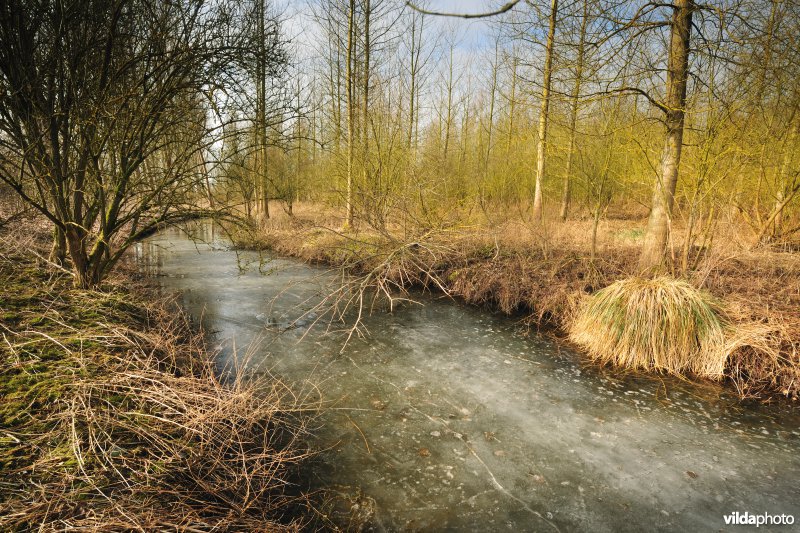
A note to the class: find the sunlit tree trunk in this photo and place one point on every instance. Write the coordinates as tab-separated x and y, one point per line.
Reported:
573	113
365	109
544	112
512	103
261	106
350	115
416	51
658	225
784	181
448	123
490	125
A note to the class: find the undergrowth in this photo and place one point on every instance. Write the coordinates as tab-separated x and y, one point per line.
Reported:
112	416
549	281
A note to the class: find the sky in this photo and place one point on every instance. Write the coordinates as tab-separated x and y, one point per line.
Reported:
475	34
473	39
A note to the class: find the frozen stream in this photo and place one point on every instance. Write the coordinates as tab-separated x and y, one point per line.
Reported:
447	419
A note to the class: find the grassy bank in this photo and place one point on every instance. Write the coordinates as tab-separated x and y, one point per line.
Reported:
550	276
112	418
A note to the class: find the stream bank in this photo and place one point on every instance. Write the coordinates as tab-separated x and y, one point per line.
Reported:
546	284
112	417
445	418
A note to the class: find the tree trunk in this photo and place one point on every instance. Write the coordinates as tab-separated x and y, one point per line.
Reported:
573	116
658	225
365	121
350	118
87	275
449	118
416	49
543	113
261	114
783	178
595	226
58	253
490	128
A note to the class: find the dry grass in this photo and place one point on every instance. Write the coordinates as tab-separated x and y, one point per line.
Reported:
660	324
113	417
763	353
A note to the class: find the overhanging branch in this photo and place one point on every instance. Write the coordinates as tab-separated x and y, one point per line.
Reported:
505	8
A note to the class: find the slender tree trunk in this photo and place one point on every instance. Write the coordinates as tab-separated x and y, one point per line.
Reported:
573	116
465	128
207	180
416	45
595	225
336	93
365	115
350	115
687	243
658	225
294	187
512	104
783	177
490	128
544	113
262	109
449	118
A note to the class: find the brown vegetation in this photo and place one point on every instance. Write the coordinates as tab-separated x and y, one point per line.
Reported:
113	417
514	268
660	324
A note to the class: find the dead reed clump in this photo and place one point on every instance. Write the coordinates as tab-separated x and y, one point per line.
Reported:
660	324
113	417
764	352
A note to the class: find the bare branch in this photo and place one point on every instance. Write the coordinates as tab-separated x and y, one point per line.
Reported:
505	8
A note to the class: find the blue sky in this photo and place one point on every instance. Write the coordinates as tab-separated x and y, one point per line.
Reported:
475	34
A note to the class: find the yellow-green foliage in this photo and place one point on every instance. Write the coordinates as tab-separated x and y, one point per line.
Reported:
659	324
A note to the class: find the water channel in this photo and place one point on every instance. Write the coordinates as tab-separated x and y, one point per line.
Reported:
446	417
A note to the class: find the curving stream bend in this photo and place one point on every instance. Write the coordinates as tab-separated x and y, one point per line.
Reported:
446	419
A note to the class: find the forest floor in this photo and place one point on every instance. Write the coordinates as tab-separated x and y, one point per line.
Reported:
545	273
112	416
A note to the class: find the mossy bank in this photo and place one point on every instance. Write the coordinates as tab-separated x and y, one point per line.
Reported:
112	417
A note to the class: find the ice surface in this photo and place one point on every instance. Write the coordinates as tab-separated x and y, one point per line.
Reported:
444	418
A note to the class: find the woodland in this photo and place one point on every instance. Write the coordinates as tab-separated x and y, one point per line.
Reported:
622	176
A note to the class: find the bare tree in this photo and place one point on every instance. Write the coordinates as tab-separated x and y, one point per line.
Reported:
103	116
674	107
541	143
574	107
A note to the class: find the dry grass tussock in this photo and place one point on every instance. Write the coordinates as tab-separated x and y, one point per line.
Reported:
659	324
113	418
667	325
